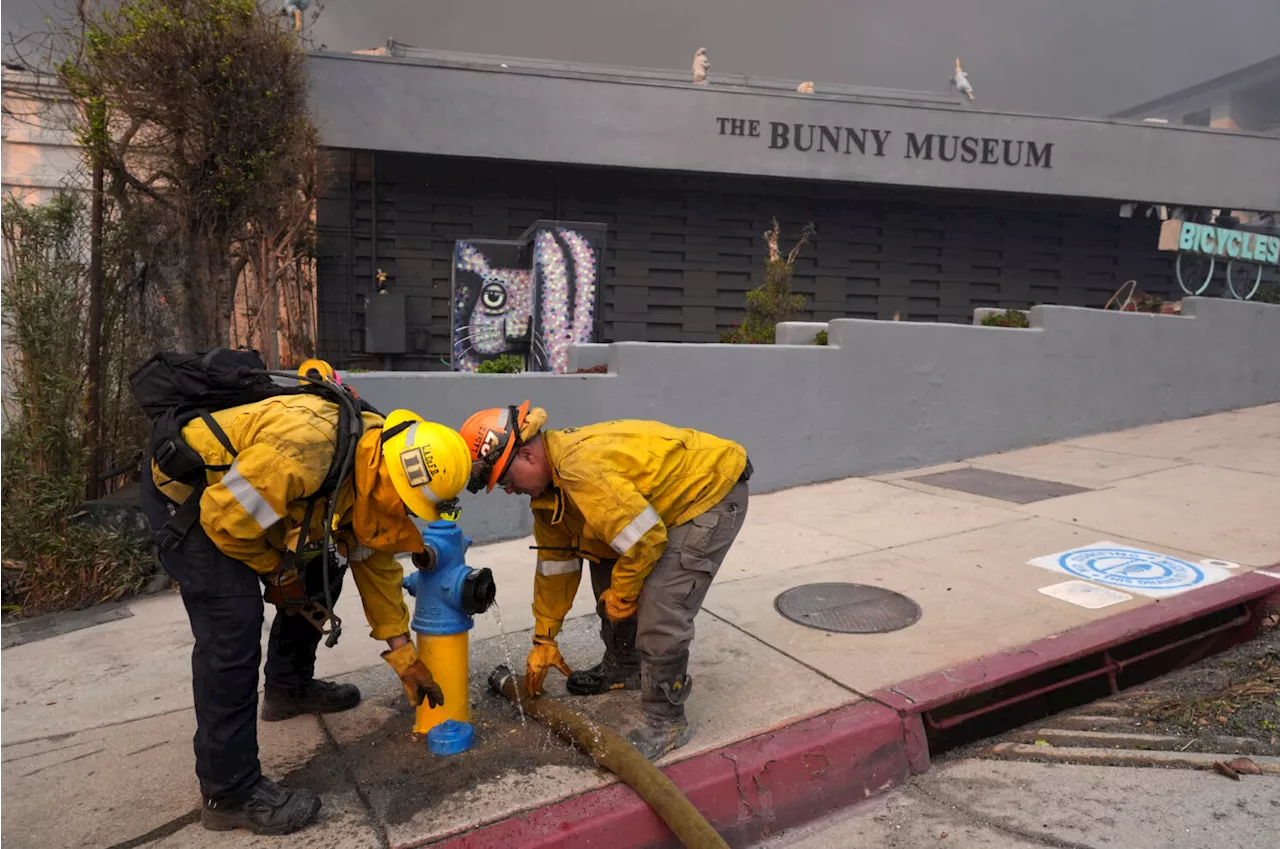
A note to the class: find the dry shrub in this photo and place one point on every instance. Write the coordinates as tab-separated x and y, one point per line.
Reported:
51	562
772	301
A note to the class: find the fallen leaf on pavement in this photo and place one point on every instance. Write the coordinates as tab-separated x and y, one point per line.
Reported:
1244	766
1222	769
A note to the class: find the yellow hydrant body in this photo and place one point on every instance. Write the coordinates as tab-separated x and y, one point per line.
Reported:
448	658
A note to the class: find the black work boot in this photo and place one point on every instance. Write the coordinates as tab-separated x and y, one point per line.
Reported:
312	697
664	688
620	668
268	809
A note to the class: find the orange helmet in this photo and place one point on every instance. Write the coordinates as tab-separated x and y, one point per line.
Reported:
493	436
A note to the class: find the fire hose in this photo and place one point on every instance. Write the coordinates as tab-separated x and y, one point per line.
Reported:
613	752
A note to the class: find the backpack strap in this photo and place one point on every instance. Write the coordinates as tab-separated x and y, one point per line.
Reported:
188	513
180	523
349	431
305	530
220	435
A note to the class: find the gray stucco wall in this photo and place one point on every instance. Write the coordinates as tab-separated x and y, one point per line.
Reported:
393	104
886	395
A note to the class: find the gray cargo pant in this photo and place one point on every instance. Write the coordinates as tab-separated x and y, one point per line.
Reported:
673	592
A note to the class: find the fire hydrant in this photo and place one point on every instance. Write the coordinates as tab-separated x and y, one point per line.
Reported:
448	593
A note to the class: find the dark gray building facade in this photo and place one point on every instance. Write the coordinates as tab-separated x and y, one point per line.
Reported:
925	207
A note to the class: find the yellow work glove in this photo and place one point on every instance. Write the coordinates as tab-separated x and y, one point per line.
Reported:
544	655
414	676
617	608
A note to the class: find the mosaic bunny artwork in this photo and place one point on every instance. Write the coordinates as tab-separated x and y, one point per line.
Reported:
491	313
565	292
534	297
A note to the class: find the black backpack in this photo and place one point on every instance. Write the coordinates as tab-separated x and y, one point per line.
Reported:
174	388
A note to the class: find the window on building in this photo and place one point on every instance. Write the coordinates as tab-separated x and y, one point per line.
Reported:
1197	119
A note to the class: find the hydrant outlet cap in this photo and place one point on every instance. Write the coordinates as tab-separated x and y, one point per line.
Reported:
450	737
478	591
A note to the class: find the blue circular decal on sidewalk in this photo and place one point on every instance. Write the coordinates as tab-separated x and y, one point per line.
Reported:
1135	570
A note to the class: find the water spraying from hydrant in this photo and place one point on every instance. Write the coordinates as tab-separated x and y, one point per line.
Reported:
506	651
448	593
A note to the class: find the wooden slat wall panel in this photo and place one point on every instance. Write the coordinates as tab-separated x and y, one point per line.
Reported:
683	249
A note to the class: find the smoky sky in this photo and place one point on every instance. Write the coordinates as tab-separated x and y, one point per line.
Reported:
1073	57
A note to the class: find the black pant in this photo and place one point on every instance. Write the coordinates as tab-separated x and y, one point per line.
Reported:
223	598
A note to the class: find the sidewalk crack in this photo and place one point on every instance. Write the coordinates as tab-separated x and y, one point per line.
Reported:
65	734
993	822
737	780
380	829
44	752
792	657
173	826
147	748
894	689
60	763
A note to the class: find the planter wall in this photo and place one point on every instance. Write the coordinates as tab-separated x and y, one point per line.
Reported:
886	395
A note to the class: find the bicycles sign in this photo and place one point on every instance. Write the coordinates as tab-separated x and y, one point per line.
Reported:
1201	246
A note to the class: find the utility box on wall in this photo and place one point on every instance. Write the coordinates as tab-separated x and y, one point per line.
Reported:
384	323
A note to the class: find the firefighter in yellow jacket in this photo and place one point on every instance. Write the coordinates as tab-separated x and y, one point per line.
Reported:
654	509
264	460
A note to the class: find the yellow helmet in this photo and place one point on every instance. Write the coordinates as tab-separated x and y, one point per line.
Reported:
429	464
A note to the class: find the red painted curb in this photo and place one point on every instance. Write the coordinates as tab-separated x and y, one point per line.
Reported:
985	673
802	771
746	789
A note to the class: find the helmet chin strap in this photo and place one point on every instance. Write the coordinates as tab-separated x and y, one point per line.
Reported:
448	510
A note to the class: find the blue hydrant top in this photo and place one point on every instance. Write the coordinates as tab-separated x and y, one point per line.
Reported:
446	589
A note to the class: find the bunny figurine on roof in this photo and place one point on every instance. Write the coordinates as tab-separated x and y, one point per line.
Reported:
960	81
701	64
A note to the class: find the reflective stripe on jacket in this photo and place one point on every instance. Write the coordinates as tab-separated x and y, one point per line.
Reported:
254	510
618	487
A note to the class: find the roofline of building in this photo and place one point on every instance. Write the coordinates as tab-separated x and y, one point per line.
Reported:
1257	71
731	83
404	53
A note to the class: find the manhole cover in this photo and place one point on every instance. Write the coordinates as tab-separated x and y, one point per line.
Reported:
847	608
1006	487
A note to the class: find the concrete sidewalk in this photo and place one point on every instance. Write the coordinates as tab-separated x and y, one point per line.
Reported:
976	804
100	721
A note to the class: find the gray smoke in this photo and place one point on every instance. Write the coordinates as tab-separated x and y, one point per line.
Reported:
1074	57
